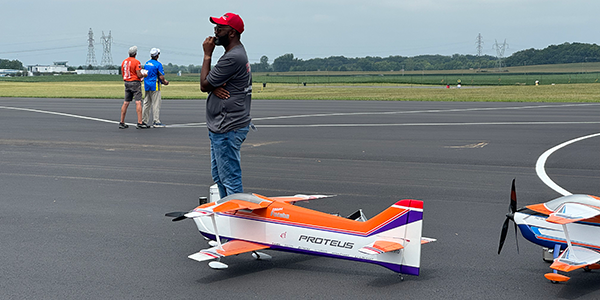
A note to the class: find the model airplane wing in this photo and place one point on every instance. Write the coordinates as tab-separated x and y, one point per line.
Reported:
571	212
230	248
229	206
299	197
574	258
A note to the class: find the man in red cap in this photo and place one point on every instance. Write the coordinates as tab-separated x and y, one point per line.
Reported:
229	88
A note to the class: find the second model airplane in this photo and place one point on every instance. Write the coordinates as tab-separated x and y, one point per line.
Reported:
568	224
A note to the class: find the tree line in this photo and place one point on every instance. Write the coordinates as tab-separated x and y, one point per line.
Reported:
553	54
11	64
556	54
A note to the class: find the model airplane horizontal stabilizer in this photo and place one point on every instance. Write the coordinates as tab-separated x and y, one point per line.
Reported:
572	212
380	246
230	248
575	257
426	240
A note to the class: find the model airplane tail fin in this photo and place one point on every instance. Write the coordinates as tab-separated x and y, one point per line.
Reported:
401	213
399	228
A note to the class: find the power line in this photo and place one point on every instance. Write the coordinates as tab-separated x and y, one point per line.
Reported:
43	49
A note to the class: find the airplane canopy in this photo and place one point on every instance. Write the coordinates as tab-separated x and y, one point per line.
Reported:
552	205
244	197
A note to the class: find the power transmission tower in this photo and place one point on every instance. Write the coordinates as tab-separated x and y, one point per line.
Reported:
106	45
91	56
500	53
479	42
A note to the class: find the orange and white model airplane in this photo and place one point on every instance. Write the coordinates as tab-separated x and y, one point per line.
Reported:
241	223
570	224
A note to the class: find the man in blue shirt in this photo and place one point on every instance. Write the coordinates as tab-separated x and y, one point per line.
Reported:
156	76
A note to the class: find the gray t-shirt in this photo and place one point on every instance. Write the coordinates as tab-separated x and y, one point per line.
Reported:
233	70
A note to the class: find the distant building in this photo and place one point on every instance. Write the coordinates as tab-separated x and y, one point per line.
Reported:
57	67
103	72
60	67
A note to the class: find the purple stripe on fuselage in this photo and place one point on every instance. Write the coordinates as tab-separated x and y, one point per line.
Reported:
398	268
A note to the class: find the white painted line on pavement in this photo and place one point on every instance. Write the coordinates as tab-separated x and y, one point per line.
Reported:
424	124
541	162
361	113
424	111
59	114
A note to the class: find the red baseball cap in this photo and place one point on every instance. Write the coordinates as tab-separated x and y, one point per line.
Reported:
229	19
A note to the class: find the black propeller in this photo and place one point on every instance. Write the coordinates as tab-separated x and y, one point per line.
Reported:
177	215
512	208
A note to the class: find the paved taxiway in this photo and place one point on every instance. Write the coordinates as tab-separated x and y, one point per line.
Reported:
82	202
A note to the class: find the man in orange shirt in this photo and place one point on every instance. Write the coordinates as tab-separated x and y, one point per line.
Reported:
131	69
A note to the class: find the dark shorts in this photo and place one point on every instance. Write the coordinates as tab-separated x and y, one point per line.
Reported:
133	91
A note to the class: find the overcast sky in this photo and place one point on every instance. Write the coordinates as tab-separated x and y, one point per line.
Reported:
44	31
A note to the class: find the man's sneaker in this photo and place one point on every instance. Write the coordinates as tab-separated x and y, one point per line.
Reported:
142	126
123	125
159	124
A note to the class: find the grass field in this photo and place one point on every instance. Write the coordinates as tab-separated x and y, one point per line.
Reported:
483	79
189	90
523	75
92	89
558	83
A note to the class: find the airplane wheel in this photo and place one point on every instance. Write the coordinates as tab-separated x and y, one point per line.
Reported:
556	278
217	265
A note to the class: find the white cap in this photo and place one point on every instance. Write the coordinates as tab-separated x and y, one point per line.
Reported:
154	52
133	50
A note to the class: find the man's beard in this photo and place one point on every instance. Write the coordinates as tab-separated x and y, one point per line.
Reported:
222	40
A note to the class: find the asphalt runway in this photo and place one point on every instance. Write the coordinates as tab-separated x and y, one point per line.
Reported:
83	203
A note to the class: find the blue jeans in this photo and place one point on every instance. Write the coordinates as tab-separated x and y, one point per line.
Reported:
225	160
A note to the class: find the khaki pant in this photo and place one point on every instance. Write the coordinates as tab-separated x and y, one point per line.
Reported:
153	100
